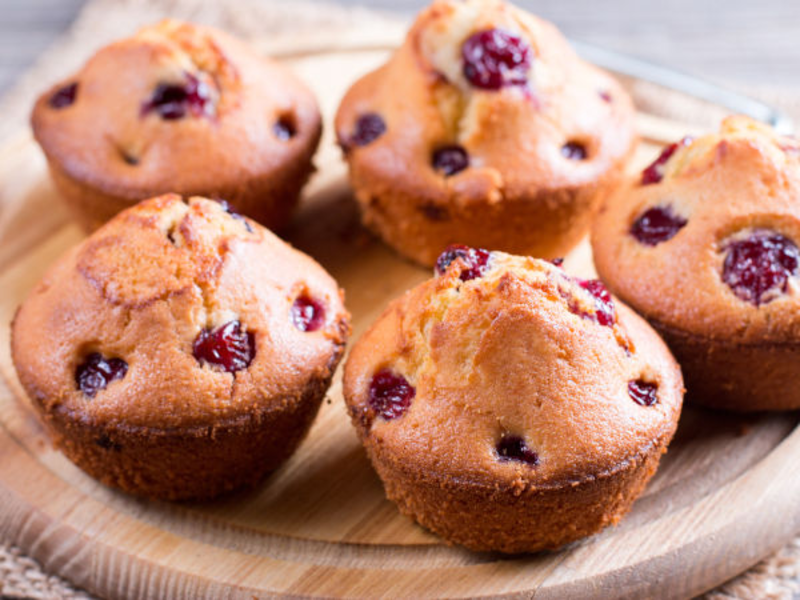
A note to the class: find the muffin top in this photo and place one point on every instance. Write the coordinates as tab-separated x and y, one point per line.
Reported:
505	370
706	238
176	107
485	102
177	313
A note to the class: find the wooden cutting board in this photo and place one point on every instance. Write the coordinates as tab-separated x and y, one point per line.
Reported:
725	496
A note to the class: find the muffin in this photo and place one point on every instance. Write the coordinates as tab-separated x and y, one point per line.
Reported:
178	108
485	129
510	407
181	351
704	244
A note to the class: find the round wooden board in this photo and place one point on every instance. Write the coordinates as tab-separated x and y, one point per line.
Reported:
725	496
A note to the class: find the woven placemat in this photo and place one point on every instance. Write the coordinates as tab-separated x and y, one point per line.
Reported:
262	22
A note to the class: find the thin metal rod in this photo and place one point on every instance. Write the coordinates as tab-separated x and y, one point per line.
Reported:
688	84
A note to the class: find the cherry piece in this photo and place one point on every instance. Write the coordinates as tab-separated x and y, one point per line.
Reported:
758	266
558	262
655	172
475	261
642	392
604	312
604	304
64	96
229	209
450	160
369	127
573	151
390	394
512	447
494	58
96	372
226	346
657	224
172	101
605	96
284	128
307	314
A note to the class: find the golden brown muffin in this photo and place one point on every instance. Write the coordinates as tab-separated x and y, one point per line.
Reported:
485	129
508	406
179	108
704	245
181	351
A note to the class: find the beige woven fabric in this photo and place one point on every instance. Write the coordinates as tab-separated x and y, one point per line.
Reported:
262	22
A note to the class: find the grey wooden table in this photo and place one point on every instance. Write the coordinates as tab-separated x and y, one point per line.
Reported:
740	42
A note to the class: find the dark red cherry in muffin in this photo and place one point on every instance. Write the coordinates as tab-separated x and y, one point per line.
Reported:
284	128
450	160
390	394
495	58
97	371
574	151
656	225
603	303
369	127
227	347
476	261
308	314
512	447
643	392
64	96
758	267
175	100
654	173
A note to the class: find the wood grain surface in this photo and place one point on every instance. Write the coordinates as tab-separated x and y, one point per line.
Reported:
724	497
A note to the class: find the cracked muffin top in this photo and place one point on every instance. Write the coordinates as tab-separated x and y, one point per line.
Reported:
505	370
177	313
485	101
176	107
706	238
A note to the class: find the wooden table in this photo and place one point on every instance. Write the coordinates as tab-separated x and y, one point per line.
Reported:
741	42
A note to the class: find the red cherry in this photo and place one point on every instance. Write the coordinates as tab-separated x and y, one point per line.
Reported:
390	394
655	172
642	392
758	266
476	261
450	160
494	58
64	96
656	225
308	314
511	447
226	346
96	372
172	101
369	127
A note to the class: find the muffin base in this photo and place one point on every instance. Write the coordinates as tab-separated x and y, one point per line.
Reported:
736	377
515	520
269	199
546	225
194	463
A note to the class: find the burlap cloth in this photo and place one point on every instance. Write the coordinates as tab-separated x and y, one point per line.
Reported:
262	22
